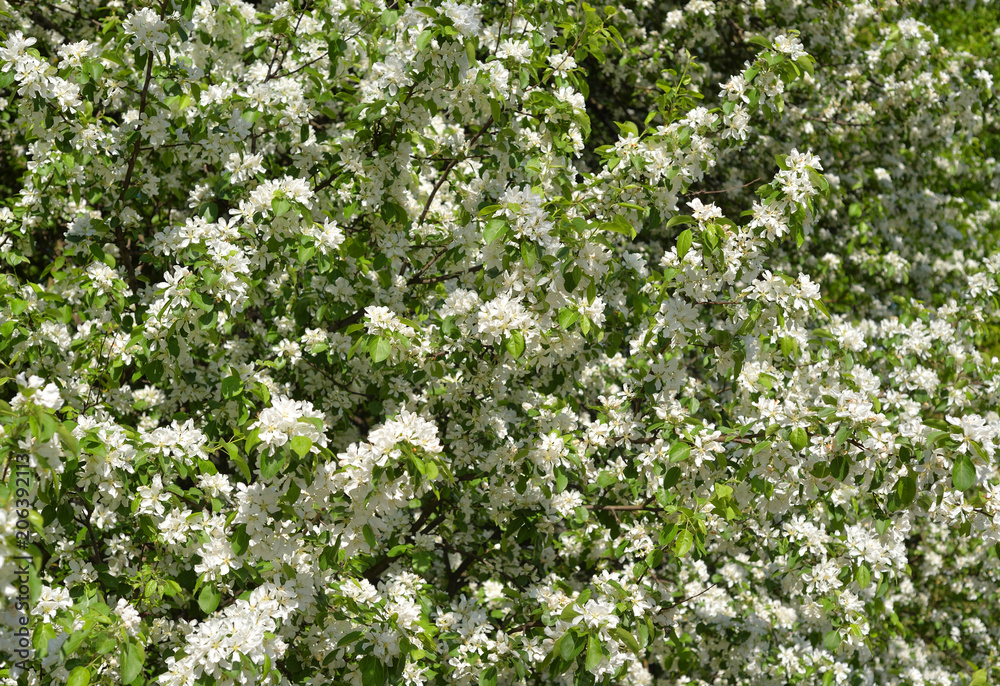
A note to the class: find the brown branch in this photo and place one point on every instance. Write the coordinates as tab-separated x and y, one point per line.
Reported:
524	627
123	247
324	183
726	190
692	597
329	377
834	121
120	241
347	321
447	170
444	277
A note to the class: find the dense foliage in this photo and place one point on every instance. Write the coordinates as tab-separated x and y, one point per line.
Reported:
518	342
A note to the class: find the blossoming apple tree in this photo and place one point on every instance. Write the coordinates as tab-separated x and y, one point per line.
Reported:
512	342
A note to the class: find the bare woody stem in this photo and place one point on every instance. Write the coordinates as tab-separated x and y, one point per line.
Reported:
447	170
120	240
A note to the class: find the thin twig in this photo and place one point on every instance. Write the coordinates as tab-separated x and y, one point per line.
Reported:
447	170
726	190
120	241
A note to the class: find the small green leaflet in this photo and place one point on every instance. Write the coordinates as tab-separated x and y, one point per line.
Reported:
423	40
379	349
372	671
567	646
627	638
369	536
208	599
132	659
963	474
685	541
683	243
515	344
679	452
863	575
488	677
568	317
594	653
80	676
301	445
271	464
620	225
906	489
280	206
798	438
231	386
529	254
494	230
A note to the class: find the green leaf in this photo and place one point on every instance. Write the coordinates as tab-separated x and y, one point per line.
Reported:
350	638
567	646
571	277
208	598
488	677
626	128
372	671
863	575
979	678
620	225
378	349
529	254
798	438
568	317
683	243
154	371
842	433
671	478
684	543
369	536
80	676
840	467
831	640
231	386
494	230
423	40
280	206
40	640
240	462
271	464
240	541
906	489
789	346
963	474
627	638
594	653
679	452
73	642
131	662
515	344
301	445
